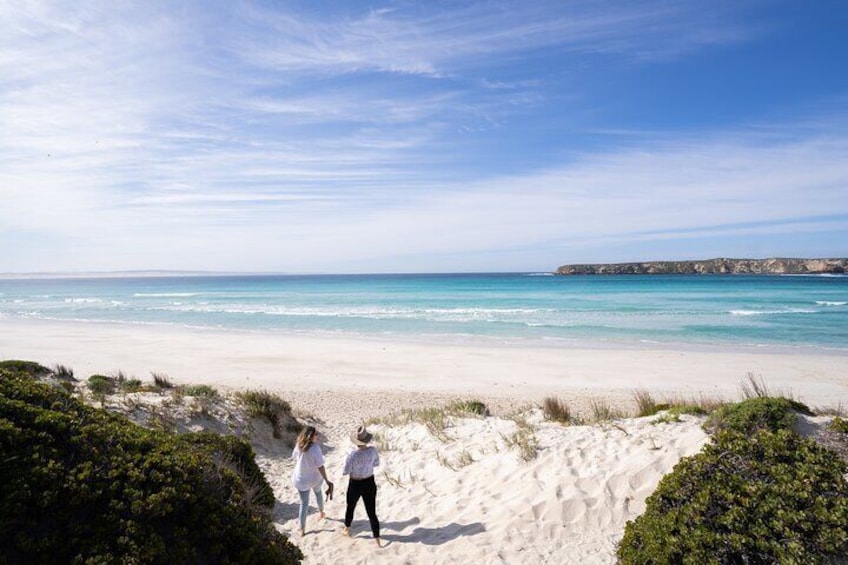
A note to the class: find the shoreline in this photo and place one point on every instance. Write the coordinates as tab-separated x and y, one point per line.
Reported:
329	373
458	339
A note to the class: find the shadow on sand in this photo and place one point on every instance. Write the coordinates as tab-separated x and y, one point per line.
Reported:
427	536
284	511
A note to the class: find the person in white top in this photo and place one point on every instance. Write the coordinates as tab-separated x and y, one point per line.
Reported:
359	465
309	473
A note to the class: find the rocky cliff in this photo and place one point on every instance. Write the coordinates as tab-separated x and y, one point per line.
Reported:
776	266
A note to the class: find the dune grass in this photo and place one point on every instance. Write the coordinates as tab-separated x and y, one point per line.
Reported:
468	407
556	410
602	411
161	381
523	438
63	372
272	407
436	419
200	390
702	405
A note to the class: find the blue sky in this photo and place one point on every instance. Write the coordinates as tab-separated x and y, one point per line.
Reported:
356	136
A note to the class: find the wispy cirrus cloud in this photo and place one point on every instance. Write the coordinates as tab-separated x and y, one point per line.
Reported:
738	184
434	39
278	137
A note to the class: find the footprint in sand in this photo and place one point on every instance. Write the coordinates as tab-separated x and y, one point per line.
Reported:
573	510
537	509
618	486
647	476
587	485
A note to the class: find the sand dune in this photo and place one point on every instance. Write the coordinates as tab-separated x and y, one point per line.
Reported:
473	499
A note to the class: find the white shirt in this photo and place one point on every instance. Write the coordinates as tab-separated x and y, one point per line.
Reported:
306	463
360	463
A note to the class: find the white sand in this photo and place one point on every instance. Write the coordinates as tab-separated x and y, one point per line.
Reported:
316	368
568	505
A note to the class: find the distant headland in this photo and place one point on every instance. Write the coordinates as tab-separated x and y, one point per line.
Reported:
719	266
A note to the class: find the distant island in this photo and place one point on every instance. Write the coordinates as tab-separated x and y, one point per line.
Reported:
720	266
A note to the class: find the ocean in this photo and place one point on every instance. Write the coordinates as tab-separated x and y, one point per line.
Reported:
797	312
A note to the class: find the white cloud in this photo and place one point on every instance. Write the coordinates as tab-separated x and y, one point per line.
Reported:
430	40
134	136
734	185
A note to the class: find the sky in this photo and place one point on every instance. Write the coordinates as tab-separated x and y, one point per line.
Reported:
406	136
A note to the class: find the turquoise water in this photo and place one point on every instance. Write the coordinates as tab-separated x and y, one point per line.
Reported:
793	311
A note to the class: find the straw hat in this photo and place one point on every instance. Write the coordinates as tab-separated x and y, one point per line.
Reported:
361	436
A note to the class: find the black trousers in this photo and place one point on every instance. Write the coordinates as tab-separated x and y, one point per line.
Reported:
367	490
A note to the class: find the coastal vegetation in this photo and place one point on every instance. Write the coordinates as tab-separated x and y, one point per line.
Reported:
839	425
264	404
437	420
759	493
755	414
556	410
82	485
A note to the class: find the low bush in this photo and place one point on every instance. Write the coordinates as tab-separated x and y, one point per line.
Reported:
838	425
772	497
754	414
130	385
237	455
81	485
101	384
30	368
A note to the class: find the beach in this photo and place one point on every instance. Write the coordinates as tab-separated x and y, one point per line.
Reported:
468	496
347	379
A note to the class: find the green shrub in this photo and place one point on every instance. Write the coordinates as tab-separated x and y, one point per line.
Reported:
773	497
26	367
237	455
81	485
838	425
101	384
758	413
130	385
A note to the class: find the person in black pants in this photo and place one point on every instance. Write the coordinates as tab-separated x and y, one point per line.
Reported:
359	465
